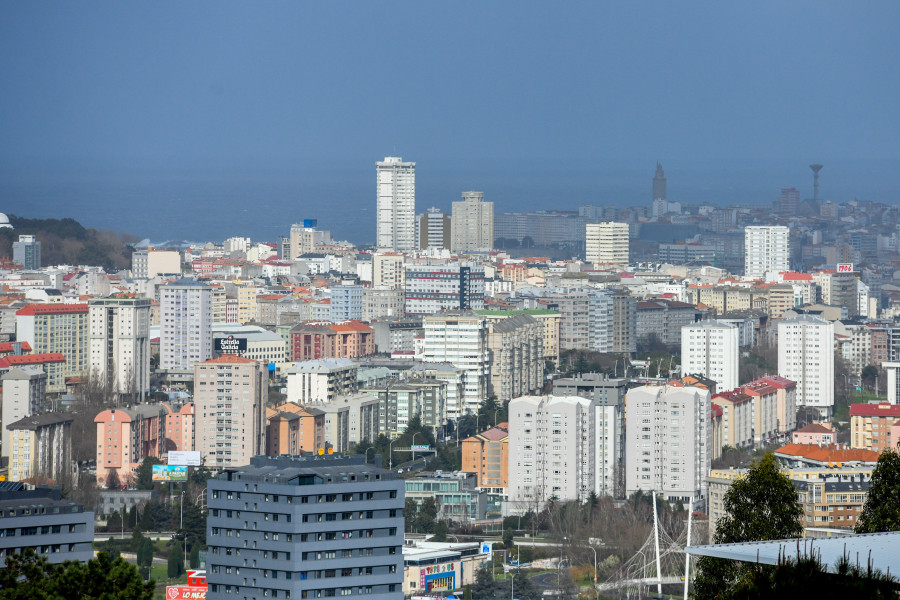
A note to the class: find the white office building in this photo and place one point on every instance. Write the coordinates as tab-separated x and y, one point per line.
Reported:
767	249
460	338
185	319
120	343
606	244
396	204
711	349
667	442
806	355
472	224
552	451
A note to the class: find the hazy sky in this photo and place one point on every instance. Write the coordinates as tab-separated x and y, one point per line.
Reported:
274	83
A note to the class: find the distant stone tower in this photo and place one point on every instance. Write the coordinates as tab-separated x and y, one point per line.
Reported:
659	183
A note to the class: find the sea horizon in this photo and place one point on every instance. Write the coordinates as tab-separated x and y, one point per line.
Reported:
209	203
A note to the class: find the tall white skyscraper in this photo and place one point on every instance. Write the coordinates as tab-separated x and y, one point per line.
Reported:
185	316
472	223
767	248
396	204
606	243
710	349
667	442
806	355
120	343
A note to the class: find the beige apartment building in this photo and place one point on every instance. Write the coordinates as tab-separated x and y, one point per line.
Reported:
549	320
230	410
517	357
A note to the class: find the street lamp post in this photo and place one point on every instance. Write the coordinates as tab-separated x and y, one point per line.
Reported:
595	566
477	417
495	416
512	586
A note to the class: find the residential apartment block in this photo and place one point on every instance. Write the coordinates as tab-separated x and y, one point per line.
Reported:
431	288
57	329
767	249
806	356
870	425
185	337
120	343
667	443
321	380
338	518
472	224
40	446
711	349
125	437
230	395
460	338
486	454
396	204
607	244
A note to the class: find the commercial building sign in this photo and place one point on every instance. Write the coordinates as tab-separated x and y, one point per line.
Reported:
185	592
169	473
845	268
184	458
231	345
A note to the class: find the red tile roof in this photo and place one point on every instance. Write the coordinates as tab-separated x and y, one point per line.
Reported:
882	409
826	454
814	428
52	309
6	347
31	359
230	358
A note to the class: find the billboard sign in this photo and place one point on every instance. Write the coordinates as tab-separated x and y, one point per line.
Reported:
845	268
185	592
169	473
184	458
231	345
420	447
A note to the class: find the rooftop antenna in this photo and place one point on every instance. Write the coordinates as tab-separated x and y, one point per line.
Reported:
815	169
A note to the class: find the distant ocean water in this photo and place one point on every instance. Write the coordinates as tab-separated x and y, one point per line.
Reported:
212	205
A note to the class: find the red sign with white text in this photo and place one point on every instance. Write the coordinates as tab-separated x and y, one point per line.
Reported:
185	592
845	268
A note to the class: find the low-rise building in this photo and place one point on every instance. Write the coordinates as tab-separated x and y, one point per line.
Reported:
125	437
293	429
433	567
456	495
816	433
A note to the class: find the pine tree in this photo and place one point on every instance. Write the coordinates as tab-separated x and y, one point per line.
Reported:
881	512
762	505
195	556
176	562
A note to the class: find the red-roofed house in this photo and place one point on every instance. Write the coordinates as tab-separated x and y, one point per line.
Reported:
870	425
817	433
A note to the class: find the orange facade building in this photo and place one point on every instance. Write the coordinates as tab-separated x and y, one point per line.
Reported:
487	455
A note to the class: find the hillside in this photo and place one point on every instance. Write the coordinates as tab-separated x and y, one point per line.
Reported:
66	241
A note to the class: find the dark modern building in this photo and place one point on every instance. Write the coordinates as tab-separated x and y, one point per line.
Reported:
305	527
41	519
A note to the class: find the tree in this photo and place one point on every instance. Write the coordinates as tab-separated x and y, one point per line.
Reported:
176	562
508	538
114	522
762	505
869	375
28	575
112	480
195	556
145	556
145	473
484	585
881	512
440	531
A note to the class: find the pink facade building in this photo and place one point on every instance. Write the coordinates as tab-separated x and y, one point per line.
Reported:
125	437
817	433
180	427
